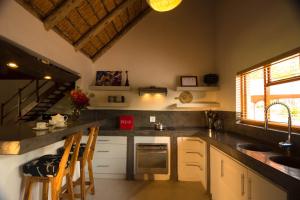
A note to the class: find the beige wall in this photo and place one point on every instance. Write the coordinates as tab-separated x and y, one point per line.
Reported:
20	26
162	47
196	38
249	32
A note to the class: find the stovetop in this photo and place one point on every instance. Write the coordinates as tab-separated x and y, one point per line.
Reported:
170	128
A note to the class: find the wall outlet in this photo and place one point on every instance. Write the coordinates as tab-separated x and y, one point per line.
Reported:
152	119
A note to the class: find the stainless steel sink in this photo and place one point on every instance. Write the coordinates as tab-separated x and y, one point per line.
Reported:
287	161
255	147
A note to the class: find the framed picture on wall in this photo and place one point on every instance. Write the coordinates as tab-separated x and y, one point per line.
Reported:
108	78
189	81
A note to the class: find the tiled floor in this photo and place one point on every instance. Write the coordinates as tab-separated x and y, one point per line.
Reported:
144	190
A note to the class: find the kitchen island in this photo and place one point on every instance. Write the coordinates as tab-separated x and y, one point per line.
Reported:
21	138
20	144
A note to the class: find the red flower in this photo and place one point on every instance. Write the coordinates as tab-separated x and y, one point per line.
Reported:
79	99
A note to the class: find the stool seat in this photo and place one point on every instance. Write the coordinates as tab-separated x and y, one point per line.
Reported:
61	150
45	166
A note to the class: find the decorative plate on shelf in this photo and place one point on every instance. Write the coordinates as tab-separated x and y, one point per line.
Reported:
185	97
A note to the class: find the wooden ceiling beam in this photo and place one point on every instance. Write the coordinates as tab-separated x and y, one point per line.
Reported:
28	8
60	13
120	34
102	24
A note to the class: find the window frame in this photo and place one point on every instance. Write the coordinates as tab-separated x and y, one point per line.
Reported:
267	82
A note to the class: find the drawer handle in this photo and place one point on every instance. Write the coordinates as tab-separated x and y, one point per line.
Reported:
222	168
249	189
194	165
195	153
195	140
102	165
242	184
103	140
103	151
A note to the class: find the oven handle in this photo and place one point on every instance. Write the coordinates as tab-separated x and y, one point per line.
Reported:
151	151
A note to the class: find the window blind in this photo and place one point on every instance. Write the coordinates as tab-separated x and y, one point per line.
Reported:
275	80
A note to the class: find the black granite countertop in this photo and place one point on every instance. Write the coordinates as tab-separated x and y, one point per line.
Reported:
286	177
21	138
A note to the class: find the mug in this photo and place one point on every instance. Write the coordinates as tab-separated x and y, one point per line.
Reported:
60	124
41	125
52	122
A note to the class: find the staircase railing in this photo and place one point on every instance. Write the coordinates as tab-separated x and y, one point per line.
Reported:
20	99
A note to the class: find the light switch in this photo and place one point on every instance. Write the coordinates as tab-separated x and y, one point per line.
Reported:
152	119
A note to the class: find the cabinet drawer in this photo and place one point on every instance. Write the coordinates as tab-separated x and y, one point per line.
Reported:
192	144
111	151
191	172
112	140
112	165
191	156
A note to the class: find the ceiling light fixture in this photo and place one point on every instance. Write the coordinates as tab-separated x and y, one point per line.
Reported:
47	77
163	5
12	65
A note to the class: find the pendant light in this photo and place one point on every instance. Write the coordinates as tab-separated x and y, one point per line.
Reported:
163	5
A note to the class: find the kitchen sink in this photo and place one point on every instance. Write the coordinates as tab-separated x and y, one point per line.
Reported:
287	161
255	147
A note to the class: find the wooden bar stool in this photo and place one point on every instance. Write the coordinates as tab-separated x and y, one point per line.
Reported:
87	158
51	169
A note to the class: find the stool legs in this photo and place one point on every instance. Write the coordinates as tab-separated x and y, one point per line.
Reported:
70	187
82	180
45	190
91	176
28	186
54	192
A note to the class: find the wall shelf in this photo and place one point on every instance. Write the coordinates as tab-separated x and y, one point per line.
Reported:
201	88
109	88
198	105
106	105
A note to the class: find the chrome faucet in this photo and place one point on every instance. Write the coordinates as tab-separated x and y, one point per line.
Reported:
286	143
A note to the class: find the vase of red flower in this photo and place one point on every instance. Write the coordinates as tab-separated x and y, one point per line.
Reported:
79	101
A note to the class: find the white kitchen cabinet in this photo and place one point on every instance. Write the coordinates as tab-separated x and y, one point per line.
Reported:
228	178
215	174
231	180
110	157
192	160
261	189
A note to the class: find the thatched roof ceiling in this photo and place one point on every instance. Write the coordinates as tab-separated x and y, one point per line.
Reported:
91	26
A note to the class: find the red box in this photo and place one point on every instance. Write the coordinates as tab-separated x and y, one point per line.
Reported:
126	122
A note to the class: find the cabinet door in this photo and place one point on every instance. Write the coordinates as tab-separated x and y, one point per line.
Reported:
261	189
228	178
215	174
233	179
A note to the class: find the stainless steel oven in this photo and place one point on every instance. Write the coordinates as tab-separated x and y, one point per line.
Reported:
152	158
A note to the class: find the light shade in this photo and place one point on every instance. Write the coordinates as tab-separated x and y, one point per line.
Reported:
153	90
163	5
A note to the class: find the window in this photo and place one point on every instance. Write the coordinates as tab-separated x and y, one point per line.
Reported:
275	80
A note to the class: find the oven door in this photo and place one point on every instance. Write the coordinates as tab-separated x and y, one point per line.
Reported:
152	158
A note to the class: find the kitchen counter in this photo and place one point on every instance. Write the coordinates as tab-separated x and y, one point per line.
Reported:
21	138
286	177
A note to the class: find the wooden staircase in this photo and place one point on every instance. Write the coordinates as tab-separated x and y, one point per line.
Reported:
32	106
